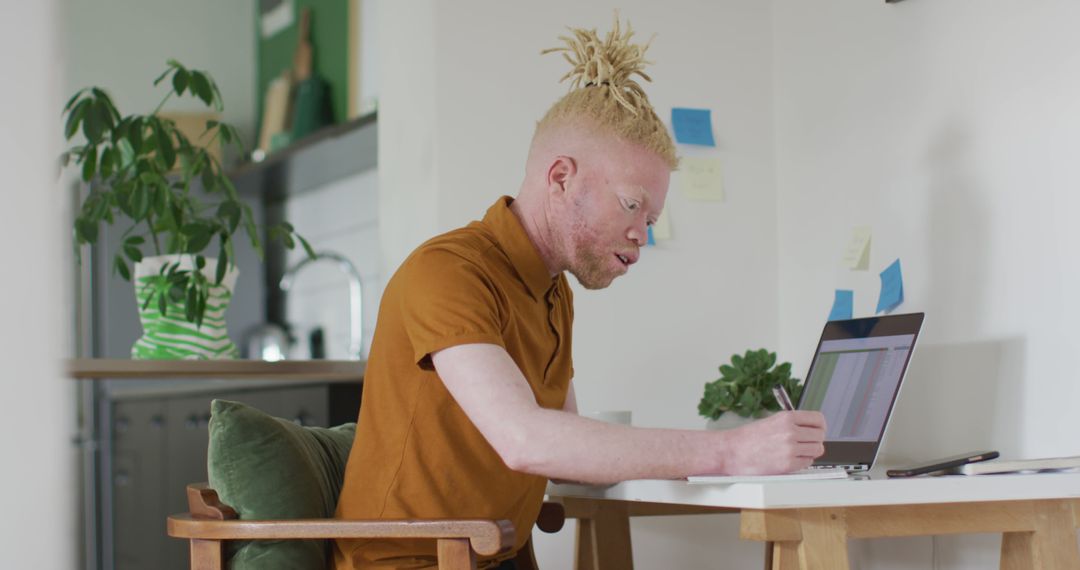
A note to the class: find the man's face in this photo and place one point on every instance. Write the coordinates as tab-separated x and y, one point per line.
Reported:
612	201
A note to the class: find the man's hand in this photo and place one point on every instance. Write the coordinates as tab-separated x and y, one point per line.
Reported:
781	443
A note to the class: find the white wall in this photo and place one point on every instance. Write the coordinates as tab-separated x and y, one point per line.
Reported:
461	89
39	476
122	46
408	168
951	128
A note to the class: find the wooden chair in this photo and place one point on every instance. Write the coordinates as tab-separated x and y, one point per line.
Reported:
275	469
209	524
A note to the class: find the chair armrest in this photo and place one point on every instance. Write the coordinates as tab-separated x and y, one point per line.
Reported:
486	537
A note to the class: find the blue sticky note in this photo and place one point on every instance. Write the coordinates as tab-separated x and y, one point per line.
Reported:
841	306
692	126
652	240
892	288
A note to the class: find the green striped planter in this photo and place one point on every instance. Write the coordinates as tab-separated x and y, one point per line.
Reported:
170	337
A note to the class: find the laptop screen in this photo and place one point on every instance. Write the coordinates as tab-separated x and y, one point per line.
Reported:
854	380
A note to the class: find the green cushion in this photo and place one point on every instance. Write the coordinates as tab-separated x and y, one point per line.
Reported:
270	468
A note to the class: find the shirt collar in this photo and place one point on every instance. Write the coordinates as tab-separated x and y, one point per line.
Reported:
519	248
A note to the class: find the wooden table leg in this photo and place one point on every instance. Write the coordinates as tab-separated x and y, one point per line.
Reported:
803	539
824	539
611	538
1050	546
583	545
785	556
781	555
602	541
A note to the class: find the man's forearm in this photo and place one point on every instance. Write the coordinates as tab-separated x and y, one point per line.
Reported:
565	446
490	388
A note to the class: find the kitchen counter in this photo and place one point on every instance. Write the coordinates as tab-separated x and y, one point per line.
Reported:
291	370
126	378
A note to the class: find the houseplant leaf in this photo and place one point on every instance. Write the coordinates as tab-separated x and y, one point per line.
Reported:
745	386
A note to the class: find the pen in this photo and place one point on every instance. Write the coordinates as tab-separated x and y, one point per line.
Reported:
782	397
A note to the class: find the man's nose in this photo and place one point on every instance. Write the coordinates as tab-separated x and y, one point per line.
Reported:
639	233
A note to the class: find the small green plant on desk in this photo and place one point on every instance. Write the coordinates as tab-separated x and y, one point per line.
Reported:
745	386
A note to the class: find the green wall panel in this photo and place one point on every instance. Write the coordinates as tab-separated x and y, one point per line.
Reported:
330	47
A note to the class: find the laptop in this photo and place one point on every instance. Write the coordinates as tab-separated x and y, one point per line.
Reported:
854	380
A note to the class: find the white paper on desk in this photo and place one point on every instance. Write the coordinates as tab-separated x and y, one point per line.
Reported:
831	473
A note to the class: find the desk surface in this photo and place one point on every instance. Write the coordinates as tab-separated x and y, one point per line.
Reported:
837	492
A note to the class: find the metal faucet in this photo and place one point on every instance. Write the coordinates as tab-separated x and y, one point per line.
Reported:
356	309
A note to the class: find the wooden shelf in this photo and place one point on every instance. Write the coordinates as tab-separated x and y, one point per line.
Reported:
125	369
298	147
322	158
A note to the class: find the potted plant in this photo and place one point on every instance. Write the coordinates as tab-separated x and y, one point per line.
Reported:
176	201
744	390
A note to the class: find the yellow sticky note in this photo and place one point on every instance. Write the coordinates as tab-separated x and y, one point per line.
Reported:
857	253
662	228
700	179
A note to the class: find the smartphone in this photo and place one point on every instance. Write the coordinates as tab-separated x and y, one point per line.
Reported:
942	464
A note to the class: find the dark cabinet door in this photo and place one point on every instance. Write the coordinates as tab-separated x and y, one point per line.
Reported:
137	478
159	447
306	405
185	463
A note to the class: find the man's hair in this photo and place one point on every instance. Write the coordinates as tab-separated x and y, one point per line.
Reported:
602	89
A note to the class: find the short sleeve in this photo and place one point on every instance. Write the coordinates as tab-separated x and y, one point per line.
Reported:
448	300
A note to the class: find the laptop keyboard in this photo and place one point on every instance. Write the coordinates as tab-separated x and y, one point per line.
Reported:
849	468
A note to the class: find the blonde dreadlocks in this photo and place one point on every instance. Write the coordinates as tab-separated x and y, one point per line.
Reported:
602	88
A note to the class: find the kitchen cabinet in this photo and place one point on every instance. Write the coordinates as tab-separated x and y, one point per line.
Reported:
148	438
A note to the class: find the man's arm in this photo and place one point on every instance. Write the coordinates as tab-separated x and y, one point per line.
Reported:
490	388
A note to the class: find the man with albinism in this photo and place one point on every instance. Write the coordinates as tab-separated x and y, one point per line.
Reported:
468	404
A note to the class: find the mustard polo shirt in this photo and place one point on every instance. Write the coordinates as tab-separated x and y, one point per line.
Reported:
416	453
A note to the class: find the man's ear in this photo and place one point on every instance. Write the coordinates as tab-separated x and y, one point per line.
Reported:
561	170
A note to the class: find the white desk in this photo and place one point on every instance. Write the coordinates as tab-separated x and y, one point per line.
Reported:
808	523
